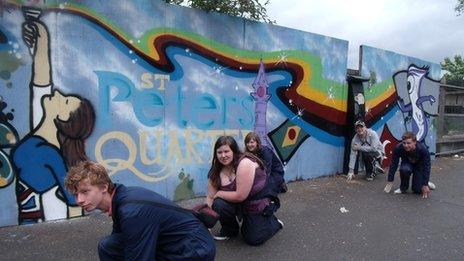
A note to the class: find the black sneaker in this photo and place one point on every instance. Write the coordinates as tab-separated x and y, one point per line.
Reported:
280	223
370	177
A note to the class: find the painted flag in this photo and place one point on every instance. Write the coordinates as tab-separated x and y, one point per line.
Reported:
287	138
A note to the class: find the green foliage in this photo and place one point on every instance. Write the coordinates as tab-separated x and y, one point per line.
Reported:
249	9
459	7
455	68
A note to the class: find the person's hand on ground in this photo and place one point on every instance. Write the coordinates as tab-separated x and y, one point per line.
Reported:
350	176
425	191
388	187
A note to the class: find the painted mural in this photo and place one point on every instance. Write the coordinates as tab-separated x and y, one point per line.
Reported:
145	88
401	95
147	97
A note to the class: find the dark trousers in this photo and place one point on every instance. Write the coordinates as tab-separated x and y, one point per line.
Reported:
368	159
406	169
256	228
276	179
111	248
196	246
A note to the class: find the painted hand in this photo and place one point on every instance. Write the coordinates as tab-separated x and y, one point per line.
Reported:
34	32
30	33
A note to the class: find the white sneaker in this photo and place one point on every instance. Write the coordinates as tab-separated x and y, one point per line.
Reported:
378	168
397	191
431	185
220	237
281	223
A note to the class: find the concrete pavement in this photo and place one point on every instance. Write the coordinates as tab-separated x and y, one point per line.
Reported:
377	226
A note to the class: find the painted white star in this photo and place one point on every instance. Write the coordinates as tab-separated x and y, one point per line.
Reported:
282	59
368	111
218	70
330	96
299	113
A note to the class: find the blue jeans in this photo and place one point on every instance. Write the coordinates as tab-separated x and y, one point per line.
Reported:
406	169
256	228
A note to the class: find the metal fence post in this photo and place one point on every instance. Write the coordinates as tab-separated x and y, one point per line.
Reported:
441	112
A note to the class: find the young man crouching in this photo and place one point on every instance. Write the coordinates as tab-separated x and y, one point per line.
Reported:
146	225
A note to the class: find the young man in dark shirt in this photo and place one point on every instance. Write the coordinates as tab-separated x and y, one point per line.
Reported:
146	225
415	161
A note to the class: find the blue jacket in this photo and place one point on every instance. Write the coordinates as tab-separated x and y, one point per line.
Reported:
273	165
420	164
271	162
150	231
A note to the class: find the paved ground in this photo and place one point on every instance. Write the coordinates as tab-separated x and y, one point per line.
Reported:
378	226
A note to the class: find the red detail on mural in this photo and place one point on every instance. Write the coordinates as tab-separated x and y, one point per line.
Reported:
260	92
388	136
292	134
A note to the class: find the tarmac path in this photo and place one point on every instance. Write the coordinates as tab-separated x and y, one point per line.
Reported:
377	226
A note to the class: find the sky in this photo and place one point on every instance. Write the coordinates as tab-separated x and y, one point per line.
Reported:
426	29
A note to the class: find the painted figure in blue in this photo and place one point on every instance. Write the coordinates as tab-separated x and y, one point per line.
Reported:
415	108
59	126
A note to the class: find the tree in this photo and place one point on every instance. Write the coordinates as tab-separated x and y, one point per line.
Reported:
455	69
249	9
459	7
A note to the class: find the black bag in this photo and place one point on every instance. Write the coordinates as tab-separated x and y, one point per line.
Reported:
268	192
206	215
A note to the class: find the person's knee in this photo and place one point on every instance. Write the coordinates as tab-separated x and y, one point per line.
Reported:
220	205
253	239
103	246
255	234
110	248
405	170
